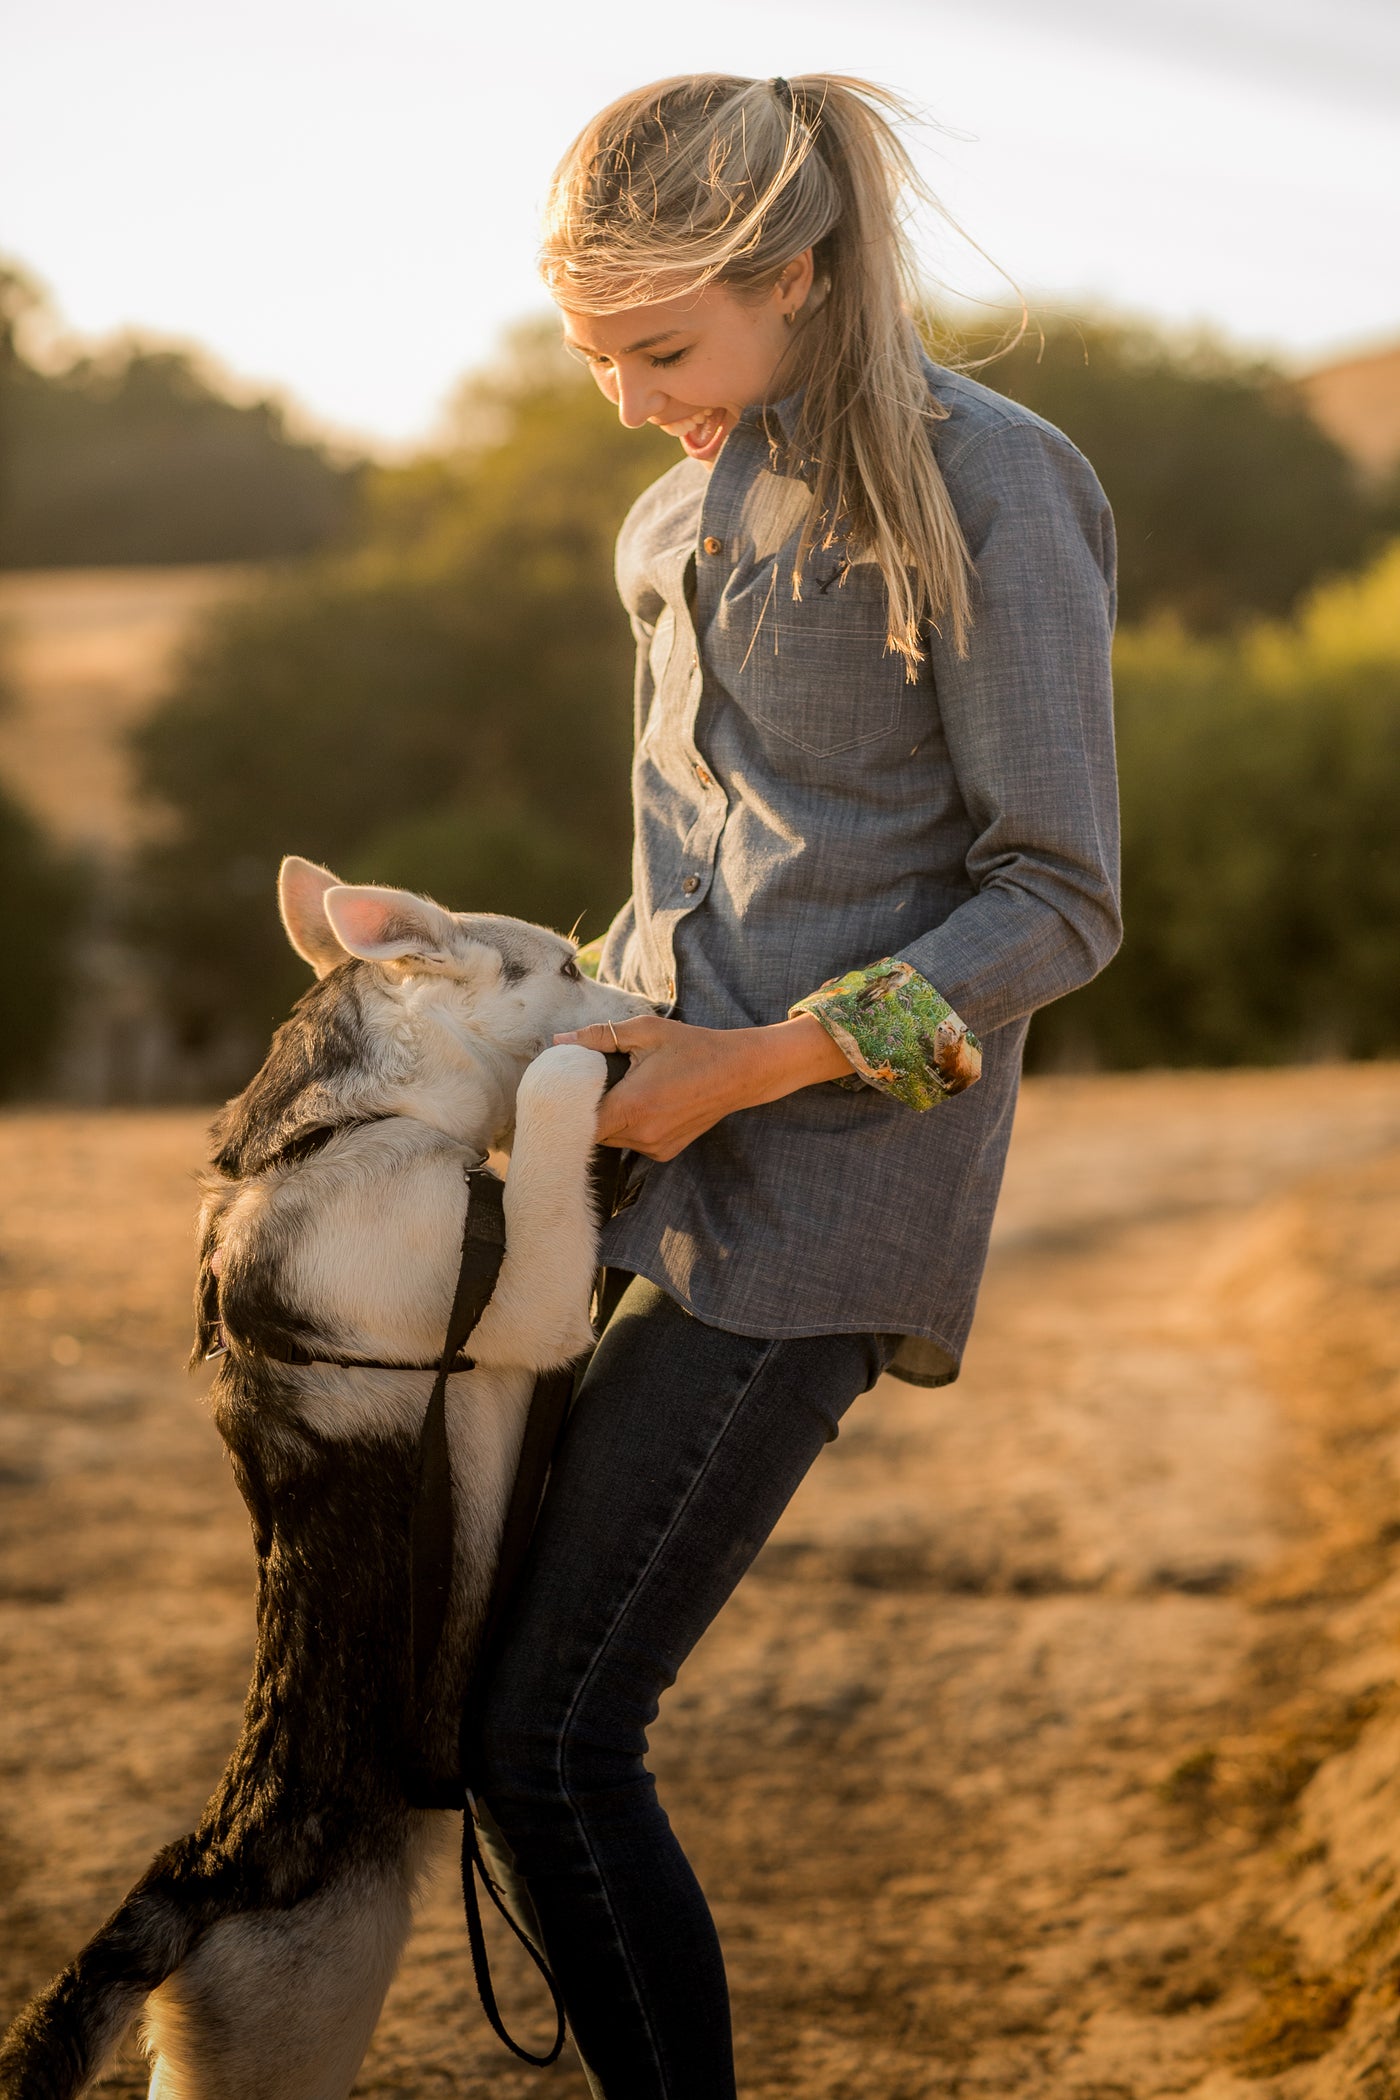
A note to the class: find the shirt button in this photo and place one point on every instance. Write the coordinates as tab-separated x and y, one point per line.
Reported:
691	885
714	546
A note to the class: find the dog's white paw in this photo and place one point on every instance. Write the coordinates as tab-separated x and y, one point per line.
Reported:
566	1075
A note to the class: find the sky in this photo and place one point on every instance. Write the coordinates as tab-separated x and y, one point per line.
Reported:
340	199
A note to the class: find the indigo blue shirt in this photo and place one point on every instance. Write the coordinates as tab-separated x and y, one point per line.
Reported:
802	810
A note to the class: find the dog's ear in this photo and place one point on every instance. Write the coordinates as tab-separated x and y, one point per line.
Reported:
301	893
391	925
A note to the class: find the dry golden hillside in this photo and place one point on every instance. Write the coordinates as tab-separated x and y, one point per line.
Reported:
85	653
1357	402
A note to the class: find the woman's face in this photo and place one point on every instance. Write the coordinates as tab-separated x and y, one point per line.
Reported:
692	365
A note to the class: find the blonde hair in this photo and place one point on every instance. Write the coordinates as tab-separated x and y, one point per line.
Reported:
713	179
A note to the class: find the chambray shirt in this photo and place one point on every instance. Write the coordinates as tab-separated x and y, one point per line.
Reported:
802	809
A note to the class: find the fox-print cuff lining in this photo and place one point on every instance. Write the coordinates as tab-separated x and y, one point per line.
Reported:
897	1033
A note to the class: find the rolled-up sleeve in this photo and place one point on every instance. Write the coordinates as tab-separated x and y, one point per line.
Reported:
897	1034
1028	720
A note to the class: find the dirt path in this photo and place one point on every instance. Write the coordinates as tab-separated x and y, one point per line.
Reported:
1049	1750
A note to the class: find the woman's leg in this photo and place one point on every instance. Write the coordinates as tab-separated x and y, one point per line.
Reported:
683	1448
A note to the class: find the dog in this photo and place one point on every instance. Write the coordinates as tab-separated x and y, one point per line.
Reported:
261	1945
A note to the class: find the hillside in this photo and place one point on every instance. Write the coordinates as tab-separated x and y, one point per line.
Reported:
1357	402
85	654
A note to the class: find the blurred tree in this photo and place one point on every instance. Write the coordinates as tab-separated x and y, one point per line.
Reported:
134	455
1385	503
19	296
448	706
1229	500
42	893
1261	885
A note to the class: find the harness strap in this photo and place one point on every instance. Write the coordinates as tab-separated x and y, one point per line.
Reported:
293	1353
549	1406
430	1530
295	1152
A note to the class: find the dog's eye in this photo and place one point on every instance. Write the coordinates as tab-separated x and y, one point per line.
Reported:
571	969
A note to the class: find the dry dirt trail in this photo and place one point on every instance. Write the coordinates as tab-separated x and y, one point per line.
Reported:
1050	1752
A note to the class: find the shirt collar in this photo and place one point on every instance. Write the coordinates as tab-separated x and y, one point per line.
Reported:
785	413
782	414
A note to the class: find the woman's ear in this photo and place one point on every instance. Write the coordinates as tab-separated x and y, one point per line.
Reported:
794	286
301	893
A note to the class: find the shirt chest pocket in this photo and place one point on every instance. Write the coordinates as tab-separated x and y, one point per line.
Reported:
814	672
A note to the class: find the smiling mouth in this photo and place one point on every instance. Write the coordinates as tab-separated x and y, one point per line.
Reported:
700	433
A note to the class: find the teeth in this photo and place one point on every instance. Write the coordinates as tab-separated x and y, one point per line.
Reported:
699	422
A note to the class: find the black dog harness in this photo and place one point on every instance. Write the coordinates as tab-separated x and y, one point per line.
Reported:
431	1534
430	1562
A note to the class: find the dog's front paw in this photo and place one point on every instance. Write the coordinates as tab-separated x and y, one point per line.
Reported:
564	1077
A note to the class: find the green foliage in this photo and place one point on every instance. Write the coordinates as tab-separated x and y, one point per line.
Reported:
1229	500
42	894
1385	503
447	708
1261	885
134	456
502	858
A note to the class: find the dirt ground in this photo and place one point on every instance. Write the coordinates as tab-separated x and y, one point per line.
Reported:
1052	1748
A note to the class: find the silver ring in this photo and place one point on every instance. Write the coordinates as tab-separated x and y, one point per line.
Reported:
612	1027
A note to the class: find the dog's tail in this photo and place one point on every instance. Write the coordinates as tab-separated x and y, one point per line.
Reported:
59	2041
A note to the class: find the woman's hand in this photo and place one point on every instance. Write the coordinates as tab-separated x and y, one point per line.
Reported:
684	1079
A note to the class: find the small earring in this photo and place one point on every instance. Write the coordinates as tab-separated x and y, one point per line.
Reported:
790	317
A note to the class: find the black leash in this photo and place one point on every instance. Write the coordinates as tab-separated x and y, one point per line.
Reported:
430	1552
473	1865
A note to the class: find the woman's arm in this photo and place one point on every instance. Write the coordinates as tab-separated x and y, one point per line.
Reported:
1028	719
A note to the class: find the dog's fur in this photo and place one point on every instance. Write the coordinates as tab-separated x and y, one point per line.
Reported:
262	1944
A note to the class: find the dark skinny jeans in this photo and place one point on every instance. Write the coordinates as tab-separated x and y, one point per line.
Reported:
685	1444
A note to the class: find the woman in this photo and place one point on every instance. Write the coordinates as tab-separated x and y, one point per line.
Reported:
875	828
